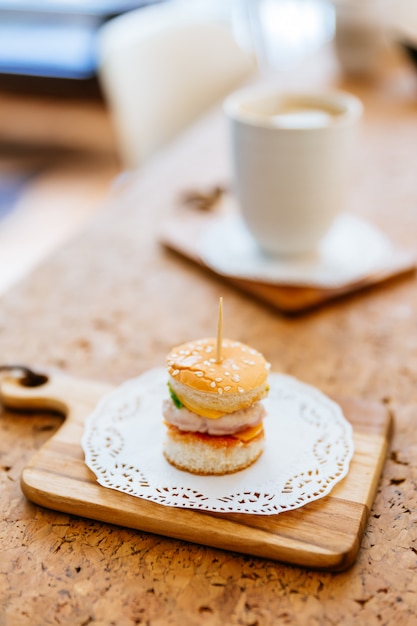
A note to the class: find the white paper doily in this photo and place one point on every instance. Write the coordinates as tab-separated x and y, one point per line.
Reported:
308	448
351	250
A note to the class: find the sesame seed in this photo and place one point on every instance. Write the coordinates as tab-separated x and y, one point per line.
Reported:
212	360
236	378
199	374
235	367
175	372
209	349
219	379
212	384
227	388
240	390
220	390
227	373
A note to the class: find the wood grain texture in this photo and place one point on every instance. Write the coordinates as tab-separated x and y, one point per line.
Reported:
324	534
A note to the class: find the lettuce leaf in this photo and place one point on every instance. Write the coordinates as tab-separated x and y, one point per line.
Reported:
175	398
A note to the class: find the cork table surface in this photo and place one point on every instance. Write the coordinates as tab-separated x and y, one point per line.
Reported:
111	303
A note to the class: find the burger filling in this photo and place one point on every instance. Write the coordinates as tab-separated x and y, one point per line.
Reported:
184	419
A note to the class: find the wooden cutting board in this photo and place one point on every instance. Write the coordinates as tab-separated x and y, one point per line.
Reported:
324	534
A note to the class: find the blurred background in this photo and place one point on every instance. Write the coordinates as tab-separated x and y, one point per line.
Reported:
81	83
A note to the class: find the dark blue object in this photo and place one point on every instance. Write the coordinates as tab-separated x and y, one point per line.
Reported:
53	40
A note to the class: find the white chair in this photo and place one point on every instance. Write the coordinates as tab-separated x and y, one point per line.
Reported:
160	68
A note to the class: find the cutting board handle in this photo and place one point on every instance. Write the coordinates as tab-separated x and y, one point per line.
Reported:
26	376
23	388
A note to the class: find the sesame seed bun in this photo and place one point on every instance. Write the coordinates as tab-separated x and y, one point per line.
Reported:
204	454
212	388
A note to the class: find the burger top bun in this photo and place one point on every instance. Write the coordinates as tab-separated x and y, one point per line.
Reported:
213	388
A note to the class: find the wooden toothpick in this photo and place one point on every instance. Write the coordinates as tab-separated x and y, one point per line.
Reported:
219	332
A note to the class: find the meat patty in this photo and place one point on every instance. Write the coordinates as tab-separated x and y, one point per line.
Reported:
226	425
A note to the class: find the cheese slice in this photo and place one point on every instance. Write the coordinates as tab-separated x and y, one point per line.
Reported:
209	413
249	433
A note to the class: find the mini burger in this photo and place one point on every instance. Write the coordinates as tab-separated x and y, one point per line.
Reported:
214	414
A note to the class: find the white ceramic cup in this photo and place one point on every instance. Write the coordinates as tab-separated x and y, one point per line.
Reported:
291	163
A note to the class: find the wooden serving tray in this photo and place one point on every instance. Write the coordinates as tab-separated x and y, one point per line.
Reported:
182	235
324	534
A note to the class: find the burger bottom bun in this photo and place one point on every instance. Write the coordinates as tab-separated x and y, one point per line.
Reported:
203	454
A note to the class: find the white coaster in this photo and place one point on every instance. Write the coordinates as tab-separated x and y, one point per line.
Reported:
308	449
352	250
